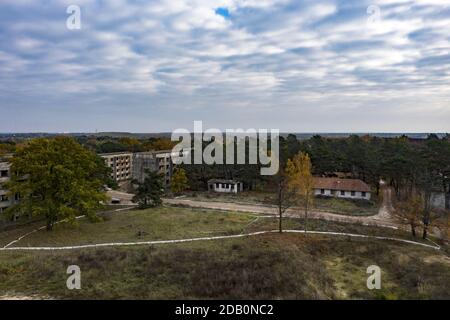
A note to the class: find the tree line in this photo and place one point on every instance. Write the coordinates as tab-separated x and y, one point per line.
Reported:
416	170
67	177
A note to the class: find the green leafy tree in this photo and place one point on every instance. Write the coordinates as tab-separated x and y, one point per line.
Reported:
57	179
150	191
179	181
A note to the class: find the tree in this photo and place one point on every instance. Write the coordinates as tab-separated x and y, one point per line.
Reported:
57	178
442	223
300	181
409	211
179	181
110	147
284	197
150	191
158	144
7	147
132	144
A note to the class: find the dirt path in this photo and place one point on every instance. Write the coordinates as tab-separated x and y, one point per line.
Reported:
381	219
242	235
386	207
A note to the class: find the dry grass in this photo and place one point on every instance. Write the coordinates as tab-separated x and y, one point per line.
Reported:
288	266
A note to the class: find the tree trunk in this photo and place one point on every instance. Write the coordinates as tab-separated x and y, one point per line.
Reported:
280	209
413	230
306	217
426	214
280	226
425	232
50	223
447	200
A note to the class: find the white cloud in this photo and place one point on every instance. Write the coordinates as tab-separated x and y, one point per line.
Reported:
285	54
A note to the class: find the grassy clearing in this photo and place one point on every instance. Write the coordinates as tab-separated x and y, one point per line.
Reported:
169	223
288	266
272	266
331	226
163	223
333	205
246	197
10	235
346	206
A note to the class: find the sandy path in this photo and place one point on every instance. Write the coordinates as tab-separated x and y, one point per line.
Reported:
381	219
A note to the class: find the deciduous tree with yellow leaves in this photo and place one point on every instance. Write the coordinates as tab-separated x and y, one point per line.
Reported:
300	181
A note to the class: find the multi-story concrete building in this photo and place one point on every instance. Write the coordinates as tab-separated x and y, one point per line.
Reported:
165	166
121	165
131	166
6	200
141	162
156	161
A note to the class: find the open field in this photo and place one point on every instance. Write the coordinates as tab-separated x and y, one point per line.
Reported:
287	266
163	223
171	222
332	205
272	266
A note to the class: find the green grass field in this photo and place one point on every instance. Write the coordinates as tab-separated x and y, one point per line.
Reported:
271	266
169	223
347	207
163	223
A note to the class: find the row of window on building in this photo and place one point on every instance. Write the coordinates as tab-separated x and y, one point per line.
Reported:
342	193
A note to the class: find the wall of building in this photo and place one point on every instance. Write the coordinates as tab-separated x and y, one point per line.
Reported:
156	161
225	187
438	200
346	195
141	162
6	200
165	167
121	165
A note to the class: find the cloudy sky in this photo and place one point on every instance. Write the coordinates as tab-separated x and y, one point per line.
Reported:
294	65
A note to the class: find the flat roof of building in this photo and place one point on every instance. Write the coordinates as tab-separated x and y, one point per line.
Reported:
112	154
223	181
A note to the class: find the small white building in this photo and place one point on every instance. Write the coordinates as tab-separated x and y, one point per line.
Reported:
341	188
227	186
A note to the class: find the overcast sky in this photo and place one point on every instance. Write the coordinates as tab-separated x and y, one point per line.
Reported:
151	66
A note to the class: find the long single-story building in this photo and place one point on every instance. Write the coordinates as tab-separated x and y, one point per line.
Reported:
341	188
228	186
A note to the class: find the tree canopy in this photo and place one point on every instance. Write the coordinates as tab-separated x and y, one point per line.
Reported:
150	191
58	179
179	181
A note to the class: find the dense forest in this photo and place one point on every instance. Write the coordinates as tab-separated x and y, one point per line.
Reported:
103	144
403	163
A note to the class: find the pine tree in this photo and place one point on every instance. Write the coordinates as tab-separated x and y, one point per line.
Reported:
150	191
